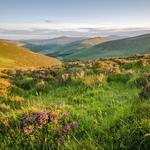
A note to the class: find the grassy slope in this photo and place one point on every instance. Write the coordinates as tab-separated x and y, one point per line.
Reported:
110	114
61	50
12	55
41	48
123	47
49	45
94	41
75	47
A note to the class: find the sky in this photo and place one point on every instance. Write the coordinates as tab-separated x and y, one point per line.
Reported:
24	19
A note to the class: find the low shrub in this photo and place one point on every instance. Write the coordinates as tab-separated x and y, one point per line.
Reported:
143	80
13	101
26	83
41	86
146	92
119	78
4	107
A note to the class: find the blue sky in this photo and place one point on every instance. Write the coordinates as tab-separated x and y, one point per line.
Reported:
72	15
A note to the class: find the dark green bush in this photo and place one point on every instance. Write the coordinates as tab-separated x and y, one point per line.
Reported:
27	83
143	80
146	92
119	78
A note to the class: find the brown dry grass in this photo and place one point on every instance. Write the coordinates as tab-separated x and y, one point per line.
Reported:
94	41
12	55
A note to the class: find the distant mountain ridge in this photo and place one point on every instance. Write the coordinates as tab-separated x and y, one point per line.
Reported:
94	41
92	48
75	47
98	47
52	46
123	47
43	45
57	41
117	37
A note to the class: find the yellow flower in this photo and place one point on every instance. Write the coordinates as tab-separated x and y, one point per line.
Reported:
4	87
4	107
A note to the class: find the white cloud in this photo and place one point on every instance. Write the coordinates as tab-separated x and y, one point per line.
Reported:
51	28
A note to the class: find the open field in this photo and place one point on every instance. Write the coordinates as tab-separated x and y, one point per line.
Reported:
91	105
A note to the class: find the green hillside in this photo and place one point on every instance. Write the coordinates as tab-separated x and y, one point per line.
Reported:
59	47
45	46
75	47
12	55
123	47
62	40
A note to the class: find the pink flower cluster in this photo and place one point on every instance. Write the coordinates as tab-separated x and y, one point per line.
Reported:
38	119
34	120
68	127
65	130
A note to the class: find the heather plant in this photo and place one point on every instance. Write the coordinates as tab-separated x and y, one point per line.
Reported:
34	120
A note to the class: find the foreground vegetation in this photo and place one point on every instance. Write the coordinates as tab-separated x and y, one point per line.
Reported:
102	104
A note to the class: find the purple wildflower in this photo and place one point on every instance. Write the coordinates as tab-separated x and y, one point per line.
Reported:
42	117
61	139
36	119
74	125
65	128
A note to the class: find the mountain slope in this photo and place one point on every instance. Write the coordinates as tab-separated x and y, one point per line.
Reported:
94	41
12	55
123	47
117	37
75	47
45	46
57	41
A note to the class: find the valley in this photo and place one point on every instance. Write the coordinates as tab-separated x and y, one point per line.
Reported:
94	48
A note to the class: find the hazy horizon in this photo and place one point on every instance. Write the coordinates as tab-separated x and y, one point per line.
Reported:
49	19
